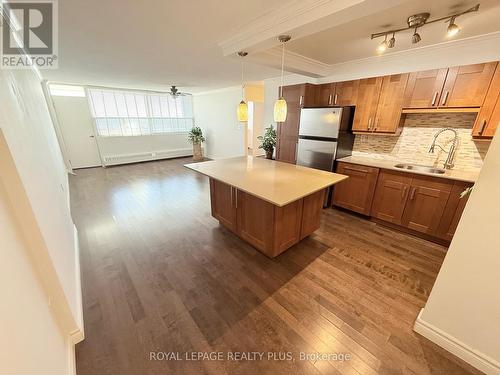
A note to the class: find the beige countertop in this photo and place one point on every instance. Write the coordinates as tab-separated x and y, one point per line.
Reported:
452	174
273	181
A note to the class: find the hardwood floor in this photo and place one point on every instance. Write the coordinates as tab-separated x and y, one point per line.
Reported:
160	275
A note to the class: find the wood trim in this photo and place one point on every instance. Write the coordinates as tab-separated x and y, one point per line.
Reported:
442	110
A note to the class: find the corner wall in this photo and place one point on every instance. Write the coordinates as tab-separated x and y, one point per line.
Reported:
462	313
38	254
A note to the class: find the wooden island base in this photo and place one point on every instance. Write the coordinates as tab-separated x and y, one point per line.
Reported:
269	228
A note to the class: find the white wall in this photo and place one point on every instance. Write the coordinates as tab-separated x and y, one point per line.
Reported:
462	313
67	108
30	341
215	113
33	175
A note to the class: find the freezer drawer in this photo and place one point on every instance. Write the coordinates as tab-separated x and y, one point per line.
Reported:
320	122
316	154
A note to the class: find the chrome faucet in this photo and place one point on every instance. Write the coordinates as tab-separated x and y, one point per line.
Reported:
448	164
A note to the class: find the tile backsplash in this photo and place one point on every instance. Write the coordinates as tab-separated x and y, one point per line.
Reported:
412	145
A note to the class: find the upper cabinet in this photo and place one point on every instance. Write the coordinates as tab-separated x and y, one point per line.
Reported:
457	87
466	86
424	88
337	94
366	104
379	103
489	116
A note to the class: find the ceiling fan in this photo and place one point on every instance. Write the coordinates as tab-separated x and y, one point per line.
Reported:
174	91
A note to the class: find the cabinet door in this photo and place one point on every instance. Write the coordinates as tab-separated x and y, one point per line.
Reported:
391	195
489	116
288	131
466	86
453	211
346	93
356	193
325	95
390	103
424	88
366	104
426	202
255	220
222	199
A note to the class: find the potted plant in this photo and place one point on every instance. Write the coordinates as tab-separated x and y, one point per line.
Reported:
268	141
196	138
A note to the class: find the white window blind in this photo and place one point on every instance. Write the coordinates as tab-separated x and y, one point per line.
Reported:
132	113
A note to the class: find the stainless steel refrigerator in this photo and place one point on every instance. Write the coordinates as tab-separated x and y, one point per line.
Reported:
325	135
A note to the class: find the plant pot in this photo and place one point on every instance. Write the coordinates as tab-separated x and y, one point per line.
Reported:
197	152
269	153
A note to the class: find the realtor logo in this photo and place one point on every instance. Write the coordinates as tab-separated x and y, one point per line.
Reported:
29	34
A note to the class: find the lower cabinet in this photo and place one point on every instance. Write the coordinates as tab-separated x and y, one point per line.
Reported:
390	196
356	192
423	204
269	228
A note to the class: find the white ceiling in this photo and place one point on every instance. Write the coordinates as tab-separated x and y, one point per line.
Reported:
351	41
154	43
190	43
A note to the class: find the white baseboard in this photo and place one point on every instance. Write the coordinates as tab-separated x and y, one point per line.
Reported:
453	345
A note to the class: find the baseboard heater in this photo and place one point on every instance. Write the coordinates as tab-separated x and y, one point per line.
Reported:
146	156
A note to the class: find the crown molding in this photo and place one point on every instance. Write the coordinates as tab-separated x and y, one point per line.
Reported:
476	49
280	20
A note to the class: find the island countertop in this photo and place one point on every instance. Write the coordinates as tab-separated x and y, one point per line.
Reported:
273	181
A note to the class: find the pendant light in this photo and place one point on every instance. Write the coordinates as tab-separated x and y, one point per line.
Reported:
280	107
242	111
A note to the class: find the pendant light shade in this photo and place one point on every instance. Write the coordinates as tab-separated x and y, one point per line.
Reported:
280	107
280	110
242	112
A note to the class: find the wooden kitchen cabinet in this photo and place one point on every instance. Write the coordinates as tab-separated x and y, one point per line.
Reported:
426	202
391	194
222	198
390	104
356	192
325	94
366	104
489	116
453	210
297	97
423	89
467	85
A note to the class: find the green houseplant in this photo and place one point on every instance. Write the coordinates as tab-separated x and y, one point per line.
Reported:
196	138
268	141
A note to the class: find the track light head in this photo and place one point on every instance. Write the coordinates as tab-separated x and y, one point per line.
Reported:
453	28
392	42
382	46
415	38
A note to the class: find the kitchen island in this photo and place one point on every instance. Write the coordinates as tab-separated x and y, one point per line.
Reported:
269	204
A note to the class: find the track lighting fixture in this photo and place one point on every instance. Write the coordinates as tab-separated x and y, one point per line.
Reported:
417	21
415	38
453	29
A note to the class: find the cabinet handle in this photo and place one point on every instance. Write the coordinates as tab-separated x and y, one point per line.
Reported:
481	129
412	193
330	99
376	123
434	98
336	97
445	98
403	194
356	170
369	123
232	200
301	100
235	198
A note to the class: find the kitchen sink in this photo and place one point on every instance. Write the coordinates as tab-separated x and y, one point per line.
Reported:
420	168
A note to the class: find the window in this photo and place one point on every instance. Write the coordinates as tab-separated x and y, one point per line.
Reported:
130	113
66	90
